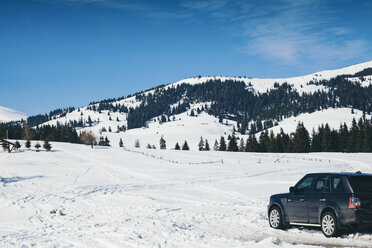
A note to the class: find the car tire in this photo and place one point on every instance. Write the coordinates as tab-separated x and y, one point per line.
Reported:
329	224
275	218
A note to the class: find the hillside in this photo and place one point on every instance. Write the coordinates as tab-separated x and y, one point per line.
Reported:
7	115
246	104
333	117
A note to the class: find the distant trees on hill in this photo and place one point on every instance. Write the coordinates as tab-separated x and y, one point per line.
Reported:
253	111
356	138
61	133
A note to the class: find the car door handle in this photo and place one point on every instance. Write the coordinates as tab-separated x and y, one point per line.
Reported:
302	200
322	200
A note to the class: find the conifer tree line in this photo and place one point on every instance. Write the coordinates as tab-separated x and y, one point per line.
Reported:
356	138
46	145
61	133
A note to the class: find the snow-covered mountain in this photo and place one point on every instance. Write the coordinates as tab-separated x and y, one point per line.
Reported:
110	117
7	114
301	84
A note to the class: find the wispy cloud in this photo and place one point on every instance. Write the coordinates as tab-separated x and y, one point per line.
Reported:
293	32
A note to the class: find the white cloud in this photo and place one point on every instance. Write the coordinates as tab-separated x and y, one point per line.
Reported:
286	31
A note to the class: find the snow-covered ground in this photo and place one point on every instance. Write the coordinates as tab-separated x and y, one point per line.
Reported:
76	196
7	114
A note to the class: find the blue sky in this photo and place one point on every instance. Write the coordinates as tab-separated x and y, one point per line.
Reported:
60	53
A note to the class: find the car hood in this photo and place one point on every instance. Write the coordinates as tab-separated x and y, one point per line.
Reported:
282	195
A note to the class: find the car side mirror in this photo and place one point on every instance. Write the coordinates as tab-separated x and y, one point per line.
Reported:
292	189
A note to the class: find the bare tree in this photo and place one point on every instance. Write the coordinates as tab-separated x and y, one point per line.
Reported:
26	135
88	138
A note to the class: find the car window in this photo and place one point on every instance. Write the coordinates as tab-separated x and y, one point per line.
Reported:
337	185
361	184
305	184
322	184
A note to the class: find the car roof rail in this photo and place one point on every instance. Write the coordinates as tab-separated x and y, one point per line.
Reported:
358	172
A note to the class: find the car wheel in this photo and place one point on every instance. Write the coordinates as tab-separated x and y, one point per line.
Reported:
329	225
275	218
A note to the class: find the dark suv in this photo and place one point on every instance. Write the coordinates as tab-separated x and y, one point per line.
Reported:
332	201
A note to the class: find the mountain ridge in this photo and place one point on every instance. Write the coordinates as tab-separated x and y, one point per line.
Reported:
7	115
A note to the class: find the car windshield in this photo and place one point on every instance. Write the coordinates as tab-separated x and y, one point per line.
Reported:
305	184
361	184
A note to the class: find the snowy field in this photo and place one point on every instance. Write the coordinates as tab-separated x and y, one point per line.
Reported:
76	196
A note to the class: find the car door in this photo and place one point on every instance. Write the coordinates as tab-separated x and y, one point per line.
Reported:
297	202
318	197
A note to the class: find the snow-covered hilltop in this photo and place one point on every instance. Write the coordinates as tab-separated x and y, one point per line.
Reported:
7	114
299	83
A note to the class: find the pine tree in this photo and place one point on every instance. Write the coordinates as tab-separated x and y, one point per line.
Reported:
264	141
121	144
353	136
90	121
301	142
185	146
316	142
47	146
137	143
101	141
148	146
215	147
367	142
107	142
28	144
241	145
162	142
252	144
326	138
177	147
222	144
17	145
37	146
201	144
110	130
233	146
207	148
271	145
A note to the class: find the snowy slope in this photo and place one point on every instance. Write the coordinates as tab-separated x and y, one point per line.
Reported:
183	128
76	196
334	117
186	127
7	114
